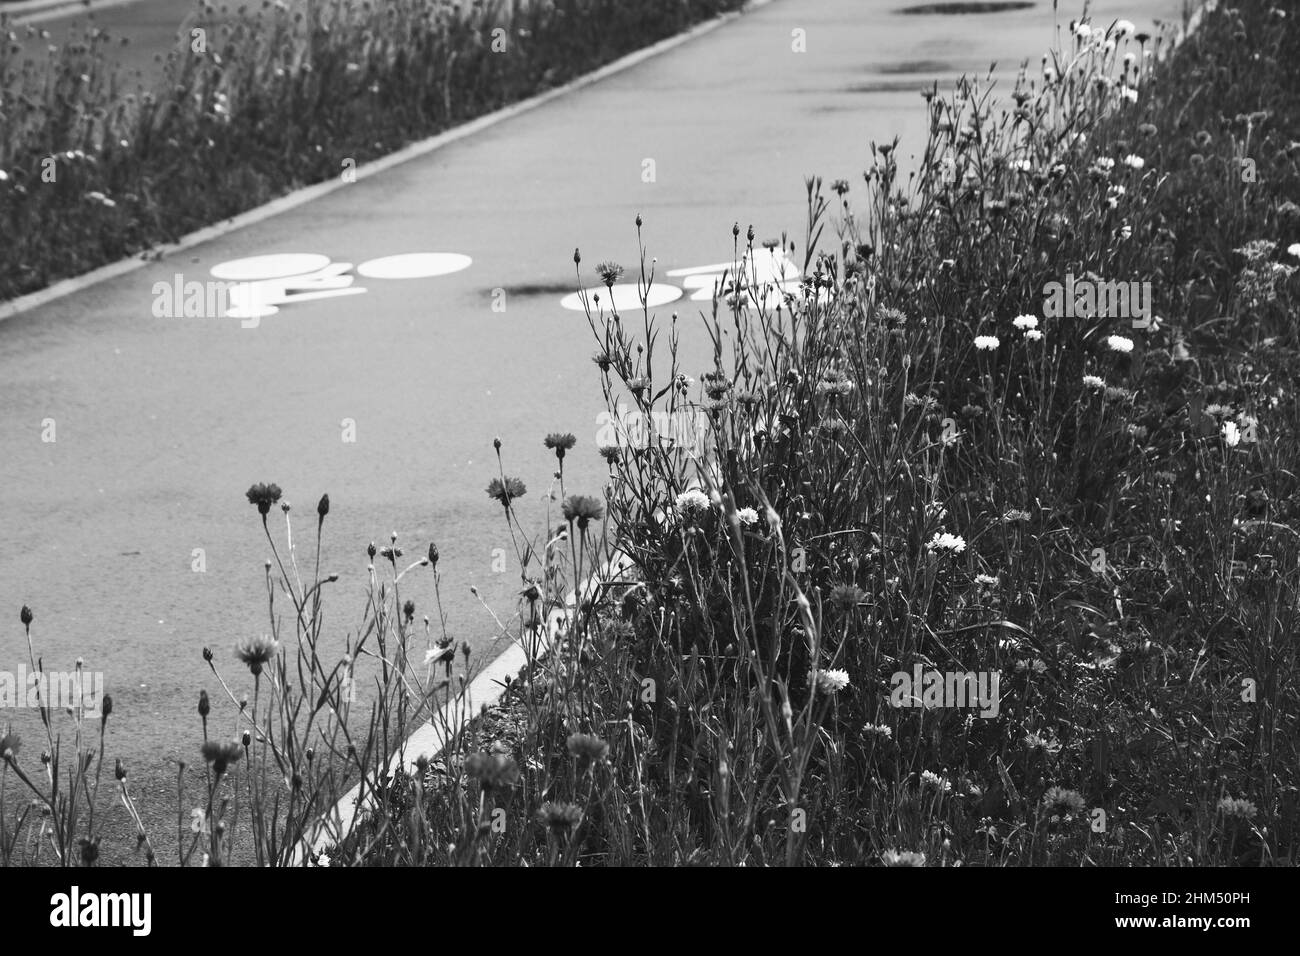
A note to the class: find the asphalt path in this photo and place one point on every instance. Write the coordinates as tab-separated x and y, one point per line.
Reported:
161	423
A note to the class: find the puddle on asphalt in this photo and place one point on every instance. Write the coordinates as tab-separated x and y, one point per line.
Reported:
914	66
963	8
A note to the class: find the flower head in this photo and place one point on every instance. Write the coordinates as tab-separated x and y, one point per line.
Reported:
493	771
507	490
693	501
1118	343
747	516
902	858
221	754
609	272
943	541
1092	381
583	509
263	496
1025	321
1063	801
588	747
832	681
1242	809
986	343
559	816
257	652
560	443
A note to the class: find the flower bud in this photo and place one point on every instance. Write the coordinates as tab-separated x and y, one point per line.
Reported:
323	506
205	707
25	615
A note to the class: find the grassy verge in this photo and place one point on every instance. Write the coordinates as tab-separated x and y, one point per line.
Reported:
917	460
92	171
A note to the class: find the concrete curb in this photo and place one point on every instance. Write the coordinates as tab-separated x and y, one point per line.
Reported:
432	737
308	193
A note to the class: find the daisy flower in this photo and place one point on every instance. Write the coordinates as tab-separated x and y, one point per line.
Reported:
692	501
947	542
1025	321
832	681
986	343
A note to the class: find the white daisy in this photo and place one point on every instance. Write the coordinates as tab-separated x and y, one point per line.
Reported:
692	501
832	681
943	541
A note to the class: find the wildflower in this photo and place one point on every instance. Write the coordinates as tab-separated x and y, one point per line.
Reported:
902	858
257	652
588	747
1103	163
692	501
986	343
25	616
1133	161
1033	335
609	272
929	779
832	681
834	382
221	755
1092	381
1114	393
603	361
559	816
1242	809
1061	800
507	490
747	516
263	496
1231	434
1025	321
611	453
986	580
493	771
1015	514
1118	343
947	542
560	444
1124	28
1294	249
583	509
1128	94
883	731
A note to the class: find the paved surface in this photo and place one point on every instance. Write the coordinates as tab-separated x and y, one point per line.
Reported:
162	423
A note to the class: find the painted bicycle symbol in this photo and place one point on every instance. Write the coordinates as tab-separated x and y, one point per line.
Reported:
258	286
763	277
